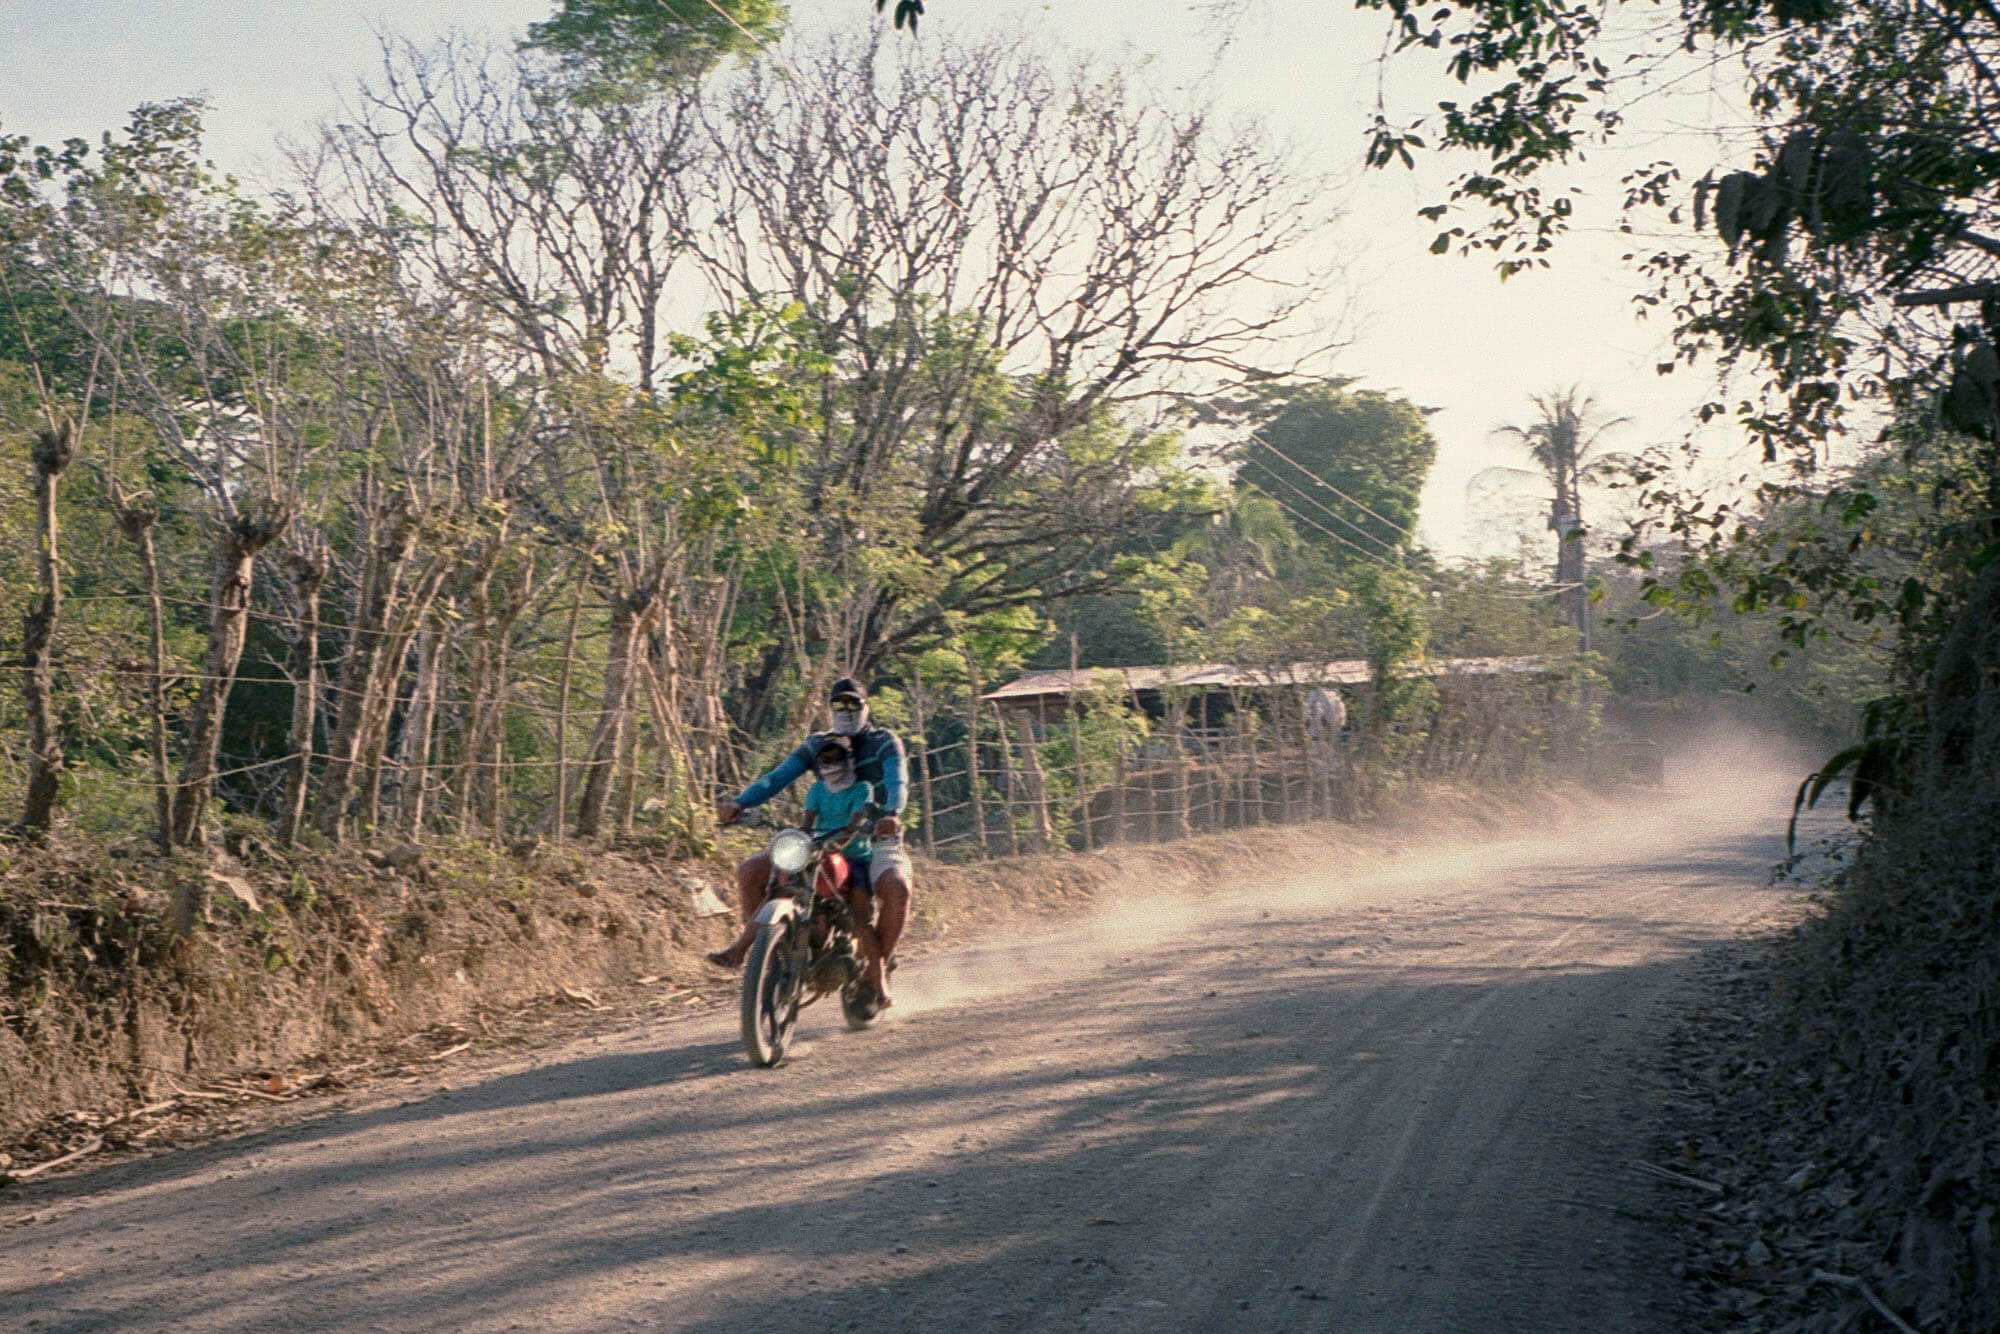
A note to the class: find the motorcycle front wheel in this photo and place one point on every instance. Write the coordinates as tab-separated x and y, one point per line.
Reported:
771	984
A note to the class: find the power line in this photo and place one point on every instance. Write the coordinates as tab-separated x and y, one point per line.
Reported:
1547	591
1365	554
1373	559
1317	480
1337	517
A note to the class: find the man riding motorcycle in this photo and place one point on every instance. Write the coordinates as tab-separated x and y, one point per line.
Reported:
880	899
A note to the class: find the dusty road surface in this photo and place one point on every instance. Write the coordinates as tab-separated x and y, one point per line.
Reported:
1397	1098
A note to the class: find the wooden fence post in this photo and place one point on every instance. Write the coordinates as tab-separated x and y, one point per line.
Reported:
923	761
1118	779
1076	745
1183	826
1007	780
972	754
1253	772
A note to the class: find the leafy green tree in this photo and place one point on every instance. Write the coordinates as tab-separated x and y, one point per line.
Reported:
1868	206
612	49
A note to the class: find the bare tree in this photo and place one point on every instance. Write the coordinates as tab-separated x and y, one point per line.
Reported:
995	255
554	212
138	517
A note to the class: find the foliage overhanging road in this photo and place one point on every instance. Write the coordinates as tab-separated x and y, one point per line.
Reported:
1403	1101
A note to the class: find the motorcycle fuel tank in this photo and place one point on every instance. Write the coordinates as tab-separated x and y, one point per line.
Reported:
832	877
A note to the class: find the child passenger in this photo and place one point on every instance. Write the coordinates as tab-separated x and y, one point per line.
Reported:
834	799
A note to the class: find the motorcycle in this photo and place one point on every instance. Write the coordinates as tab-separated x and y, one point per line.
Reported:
805	945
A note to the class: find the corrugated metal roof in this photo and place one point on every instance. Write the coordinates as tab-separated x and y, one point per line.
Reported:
1222	675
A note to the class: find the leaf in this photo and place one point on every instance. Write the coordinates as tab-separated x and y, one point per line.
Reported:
1871	771
1972	402
1795	165
1814	786
1729	207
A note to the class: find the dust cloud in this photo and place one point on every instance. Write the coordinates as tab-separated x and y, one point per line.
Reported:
1721	775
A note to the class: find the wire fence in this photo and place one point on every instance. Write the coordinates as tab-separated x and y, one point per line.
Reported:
992	780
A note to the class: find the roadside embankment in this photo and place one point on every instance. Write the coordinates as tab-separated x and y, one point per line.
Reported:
294	961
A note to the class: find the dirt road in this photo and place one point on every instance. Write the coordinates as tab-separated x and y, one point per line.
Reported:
1399	1099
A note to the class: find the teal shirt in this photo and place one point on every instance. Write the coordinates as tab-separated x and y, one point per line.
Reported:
829	810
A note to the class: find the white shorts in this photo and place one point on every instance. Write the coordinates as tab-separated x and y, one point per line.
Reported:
887	854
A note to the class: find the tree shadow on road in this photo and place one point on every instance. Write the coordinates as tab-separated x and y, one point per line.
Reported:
1218	1152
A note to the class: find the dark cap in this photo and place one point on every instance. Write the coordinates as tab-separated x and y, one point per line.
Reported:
834	743
847	685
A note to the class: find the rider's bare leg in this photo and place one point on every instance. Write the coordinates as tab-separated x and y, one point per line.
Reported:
861	910
753	883
892	903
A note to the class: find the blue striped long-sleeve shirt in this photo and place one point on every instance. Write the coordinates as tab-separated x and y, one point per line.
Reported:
878	759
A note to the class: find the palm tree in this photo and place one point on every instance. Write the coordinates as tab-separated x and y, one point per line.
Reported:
1566	441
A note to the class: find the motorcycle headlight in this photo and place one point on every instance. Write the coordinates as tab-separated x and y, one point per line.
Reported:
791	850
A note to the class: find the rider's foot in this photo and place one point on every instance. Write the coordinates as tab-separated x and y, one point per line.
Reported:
875	984
870	1000
729	958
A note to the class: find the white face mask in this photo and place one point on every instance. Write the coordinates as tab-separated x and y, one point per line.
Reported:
849	722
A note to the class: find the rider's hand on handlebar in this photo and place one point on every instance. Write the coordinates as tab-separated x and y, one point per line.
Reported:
726	811
888	827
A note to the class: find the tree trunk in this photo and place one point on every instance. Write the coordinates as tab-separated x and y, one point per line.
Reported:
382	685
760	687
1039	831
630	614
474	773
136	517
236	549
628	766
358	669
560	823
1572	597
156	688
1076	750
54	450
414	790
307	565
676	759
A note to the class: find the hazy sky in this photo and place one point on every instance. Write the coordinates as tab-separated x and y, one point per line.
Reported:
1443	330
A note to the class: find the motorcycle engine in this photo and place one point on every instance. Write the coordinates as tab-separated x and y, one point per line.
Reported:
831	972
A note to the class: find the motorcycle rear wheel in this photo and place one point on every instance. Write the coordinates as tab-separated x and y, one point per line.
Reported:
771	984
